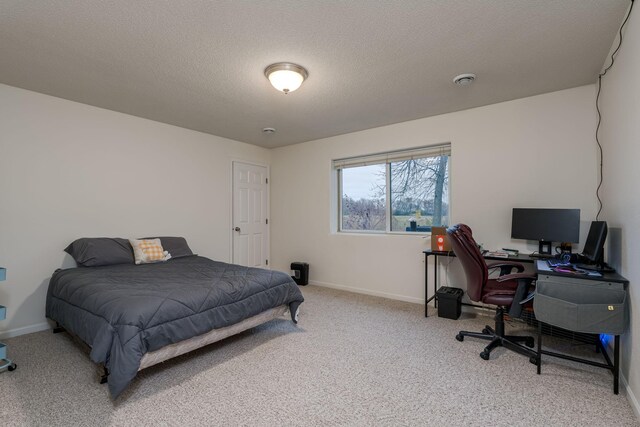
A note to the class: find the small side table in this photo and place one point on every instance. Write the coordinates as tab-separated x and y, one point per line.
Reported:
4	362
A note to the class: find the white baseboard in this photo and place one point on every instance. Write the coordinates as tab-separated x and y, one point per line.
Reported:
631	397
369	292
25	330
635	405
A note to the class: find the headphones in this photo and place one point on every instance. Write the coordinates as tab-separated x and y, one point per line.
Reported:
567	257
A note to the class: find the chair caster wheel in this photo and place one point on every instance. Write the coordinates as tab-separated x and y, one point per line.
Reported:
485	331
529	343
12	367
533	360
485	355
460	337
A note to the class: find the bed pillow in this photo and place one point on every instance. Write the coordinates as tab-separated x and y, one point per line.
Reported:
176	246
147	251
97	251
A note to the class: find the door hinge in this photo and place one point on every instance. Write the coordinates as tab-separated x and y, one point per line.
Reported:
266	261
266	221
266	180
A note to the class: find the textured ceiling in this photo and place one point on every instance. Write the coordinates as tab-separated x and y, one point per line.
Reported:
199	64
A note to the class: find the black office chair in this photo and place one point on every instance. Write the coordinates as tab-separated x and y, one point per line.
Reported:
499	292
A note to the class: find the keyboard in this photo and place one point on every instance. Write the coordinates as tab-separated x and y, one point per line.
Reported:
556	263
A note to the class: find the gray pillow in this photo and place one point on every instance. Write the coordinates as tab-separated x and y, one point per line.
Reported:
176	246
97	251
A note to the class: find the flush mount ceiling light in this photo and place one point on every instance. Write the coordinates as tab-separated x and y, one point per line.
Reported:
464	79
285	76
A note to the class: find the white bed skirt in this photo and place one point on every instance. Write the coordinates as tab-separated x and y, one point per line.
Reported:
182	347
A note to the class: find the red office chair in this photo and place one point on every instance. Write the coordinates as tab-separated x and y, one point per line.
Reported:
499	291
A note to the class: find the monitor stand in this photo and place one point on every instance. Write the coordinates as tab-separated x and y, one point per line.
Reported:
544	248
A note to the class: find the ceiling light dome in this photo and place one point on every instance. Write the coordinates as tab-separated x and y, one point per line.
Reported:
285	76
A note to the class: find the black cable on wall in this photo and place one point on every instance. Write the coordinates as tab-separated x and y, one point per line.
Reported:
600	76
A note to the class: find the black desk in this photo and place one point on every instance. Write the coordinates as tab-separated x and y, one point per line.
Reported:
613	366
608	279
436	254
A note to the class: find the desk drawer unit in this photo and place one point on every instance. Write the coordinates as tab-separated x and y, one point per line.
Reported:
589	306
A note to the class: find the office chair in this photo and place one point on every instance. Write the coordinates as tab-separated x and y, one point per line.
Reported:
499	291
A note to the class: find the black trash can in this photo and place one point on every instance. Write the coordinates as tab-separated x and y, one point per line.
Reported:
449	302
300	272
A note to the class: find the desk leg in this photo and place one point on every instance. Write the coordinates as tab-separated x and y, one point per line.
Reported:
428	299
435	280
539	361
433	297
616	363
426	285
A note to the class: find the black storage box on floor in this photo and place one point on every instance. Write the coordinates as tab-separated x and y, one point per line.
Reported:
449	302
300	272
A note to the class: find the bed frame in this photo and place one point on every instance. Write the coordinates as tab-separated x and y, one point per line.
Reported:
188	345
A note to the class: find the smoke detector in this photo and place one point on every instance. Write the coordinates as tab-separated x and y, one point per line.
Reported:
268	131
464	79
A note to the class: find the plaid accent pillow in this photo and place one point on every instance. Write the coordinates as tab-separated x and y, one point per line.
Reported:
148	251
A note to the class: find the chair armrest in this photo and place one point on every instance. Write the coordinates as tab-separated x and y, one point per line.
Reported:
517	276
506	266
524	284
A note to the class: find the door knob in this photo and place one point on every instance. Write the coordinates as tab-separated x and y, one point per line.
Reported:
237	229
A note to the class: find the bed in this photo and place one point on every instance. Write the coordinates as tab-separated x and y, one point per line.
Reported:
133	316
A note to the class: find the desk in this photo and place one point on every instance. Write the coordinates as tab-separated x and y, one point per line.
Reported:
545	274
520	258
571	284
4	362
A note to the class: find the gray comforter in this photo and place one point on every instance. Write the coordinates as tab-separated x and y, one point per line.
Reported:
125	311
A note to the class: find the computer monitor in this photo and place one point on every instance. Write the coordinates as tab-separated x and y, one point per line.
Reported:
593	250
546	226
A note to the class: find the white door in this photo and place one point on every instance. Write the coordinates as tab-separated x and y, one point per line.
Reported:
250	223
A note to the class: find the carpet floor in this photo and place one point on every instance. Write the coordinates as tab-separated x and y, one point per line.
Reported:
353	360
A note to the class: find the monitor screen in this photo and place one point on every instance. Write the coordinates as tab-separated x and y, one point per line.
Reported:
594	246
550	225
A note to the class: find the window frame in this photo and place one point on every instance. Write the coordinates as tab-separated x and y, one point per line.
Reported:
387	158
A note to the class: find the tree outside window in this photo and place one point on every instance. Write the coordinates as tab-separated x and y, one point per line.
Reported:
409	195
363	200
419	190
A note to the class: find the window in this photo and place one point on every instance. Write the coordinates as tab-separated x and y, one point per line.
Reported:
400	191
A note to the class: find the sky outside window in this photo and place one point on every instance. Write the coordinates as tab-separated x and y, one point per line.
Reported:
363	182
